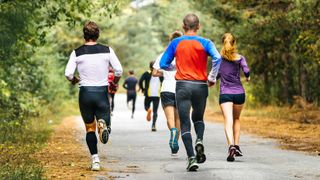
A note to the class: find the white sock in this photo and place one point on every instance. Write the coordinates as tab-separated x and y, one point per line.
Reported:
95	158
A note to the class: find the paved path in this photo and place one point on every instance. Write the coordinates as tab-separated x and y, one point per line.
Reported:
134	152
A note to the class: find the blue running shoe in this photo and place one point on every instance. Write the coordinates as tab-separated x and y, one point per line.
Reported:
173	143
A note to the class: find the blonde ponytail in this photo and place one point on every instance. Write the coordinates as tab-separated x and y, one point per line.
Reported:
229	49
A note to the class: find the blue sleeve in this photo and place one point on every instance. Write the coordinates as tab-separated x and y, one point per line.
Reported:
167	57
216	60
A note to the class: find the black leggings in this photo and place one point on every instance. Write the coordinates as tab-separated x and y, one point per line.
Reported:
191	94
94	104
147	104
132	96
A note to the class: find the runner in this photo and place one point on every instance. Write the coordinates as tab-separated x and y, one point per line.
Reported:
112	92
150	86
92	62
191	52
168	99
130	85
232	94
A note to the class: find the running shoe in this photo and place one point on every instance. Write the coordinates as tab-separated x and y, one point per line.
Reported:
238	151
149	114
95	166
201	157
103	131
232	153
153	128
173	142
192	164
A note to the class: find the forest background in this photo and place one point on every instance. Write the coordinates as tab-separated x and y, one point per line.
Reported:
279	38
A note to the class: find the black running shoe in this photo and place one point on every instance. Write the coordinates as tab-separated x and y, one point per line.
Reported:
238	151
232	153
201	157
192	164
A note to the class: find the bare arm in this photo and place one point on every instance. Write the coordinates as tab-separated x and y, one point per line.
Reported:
157	73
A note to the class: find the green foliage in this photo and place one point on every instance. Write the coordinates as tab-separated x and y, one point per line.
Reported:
281	42
31	74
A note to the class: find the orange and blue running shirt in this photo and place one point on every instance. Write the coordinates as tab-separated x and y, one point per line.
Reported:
191	53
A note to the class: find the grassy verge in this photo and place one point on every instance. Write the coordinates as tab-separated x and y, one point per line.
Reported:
296	127
16	161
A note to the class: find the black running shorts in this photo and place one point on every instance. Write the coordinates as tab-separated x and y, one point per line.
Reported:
168	99
234	98
94	103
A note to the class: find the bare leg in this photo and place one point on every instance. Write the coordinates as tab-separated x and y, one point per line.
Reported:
177	120
169	112
91	127
236	122
227	112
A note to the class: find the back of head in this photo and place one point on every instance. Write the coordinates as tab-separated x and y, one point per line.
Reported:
91	31
175	34
191	22
229	48
131	72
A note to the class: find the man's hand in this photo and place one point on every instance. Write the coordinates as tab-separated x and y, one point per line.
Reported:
113	87
210	84
75	80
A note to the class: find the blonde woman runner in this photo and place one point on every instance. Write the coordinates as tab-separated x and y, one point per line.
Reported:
232	94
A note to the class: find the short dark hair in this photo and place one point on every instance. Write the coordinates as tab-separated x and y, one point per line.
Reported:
175	34
131	72
91	31
191	22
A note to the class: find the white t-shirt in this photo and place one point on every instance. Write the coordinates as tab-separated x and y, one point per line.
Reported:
92	63
169	81
154	87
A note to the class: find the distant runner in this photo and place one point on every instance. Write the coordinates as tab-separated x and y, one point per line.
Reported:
92	62
232	94
130	85
150	86
112	92
191	52
168	99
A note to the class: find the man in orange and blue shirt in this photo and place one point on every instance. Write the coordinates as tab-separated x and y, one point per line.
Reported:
191	53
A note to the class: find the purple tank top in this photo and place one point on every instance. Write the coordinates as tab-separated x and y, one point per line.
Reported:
229	73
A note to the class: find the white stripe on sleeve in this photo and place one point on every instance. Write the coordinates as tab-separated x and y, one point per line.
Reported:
115	63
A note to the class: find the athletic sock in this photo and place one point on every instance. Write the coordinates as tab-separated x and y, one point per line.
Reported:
187	141
92	141
95	158
199	128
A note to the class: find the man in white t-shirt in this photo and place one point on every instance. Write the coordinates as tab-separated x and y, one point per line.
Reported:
150	86
92	61
168	99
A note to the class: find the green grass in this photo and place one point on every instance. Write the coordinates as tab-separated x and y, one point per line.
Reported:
19	141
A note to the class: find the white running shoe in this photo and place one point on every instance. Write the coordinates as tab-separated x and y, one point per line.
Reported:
95	166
